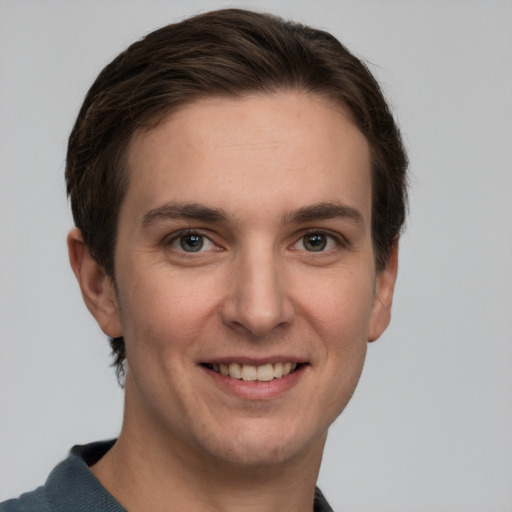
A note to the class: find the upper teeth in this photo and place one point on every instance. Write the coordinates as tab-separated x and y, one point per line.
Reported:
250	372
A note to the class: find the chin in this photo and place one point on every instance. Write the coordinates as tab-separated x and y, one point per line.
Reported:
263	446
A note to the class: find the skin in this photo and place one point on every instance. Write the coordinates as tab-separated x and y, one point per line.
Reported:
277	173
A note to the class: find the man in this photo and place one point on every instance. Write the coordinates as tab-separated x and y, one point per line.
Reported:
238	188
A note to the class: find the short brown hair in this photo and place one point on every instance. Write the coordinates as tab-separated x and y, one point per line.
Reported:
230	52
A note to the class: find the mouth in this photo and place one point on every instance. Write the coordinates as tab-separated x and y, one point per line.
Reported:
249	372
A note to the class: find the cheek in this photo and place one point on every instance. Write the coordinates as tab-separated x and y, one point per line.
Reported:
343	322
341	307
166	312
340	316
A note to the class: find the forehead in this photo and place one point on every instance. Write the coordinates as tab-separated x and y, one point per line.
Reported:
287	148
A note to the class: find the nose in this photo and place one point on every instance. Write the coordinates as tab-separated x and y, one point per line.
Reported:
258	301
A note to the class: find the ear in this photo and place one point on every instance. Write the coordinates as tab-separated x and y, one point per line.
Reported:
384	288
97	288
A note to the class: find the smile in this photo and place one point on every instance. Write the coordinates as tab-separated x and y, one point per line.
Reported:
249	372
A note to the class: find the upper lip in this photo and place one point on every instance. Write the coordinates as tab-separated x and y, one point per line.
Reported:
255	361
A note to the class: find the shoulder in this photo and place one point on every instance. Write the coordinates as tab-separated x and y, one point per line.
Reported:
321	504
71	487
35	501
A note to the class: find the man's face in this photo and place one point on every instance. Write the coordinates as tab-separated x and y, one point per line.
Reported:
244	250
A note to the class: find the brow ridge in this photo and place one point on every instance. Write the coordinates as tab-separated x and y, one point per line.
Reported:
323	211
196	211
187	211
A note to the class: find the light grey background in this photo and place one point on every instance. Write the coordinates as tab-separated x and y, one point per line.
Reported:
430	427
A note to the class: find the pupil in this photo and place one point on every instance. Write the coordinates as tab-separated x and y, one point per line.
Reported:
191	243
315	242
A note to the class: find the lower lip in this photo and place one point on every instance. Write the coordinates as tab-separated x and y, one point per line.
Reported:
257	390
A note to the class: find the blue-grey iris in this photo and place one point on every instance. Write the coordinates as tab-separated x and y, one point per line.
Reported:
315	242
191	242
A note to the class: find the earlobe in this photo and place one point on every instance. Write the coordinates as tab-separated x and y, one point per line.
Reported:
96	286
385	285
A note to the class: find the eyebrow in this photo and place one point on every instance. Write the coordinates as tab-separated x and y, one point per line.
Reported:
196	211
187	211
324	211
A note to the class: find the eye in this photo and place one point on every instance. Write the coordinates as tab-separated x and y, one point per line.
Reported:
318	241
192	242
